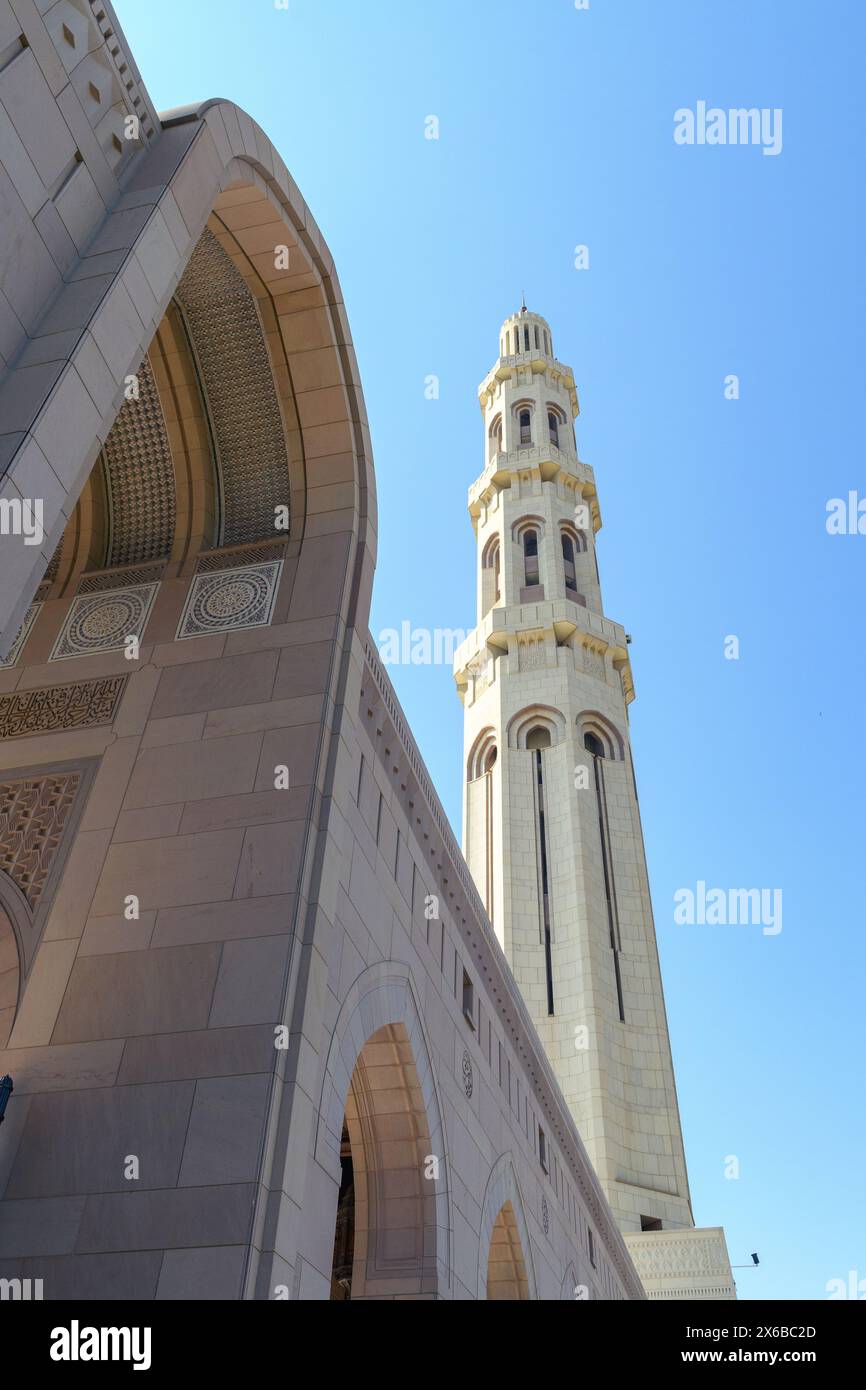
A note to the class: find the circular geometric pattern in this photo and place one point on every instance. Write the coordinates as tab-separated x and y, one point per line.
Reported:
467	1075
104	620
232	599
221	600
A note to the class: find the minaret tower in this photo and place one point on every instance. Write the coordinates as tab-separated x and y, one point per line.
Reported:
552	830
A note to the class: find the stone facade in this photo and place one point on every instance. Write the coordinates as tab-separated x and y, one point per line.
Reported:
246	982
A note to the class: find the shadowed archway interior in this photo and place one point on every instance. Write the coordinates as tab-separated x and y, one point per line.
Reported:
506	1268
386	1233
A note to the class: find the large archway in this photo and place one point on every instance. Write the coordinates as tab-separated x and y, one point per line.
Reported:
386	1220
381	1137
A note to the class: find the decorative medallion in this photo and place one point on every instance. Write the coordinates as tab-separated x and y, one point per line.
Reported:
33	815
23	634
103	622
224	600
467	1075
83	705
545	1216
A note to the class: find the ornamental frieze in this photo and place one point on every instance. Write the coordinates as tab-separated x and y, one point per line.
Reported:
48	709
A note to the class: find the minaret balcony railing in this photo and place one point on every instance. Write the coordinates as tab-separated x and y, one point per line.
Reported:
534	457
562	616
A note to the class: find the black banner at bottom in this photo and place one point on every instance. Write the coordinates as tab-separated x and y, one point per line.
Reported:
212	1338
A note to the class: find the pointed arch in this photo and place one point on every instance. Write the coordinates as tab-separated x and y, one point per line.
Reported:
403	1225
482	755
503	1220
535	717
593	726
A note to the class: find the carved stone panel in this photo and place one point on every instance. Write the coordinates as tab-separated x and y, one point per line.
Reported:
47	709
23	633
103	622
223	600
33	815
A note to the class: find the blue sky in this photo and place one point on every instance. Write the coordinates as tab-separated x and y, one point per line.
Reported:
556	129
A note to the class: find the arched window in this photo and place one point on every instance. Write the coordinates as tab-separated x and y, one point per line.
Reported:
547	342
526	339
537	344
490	760
593	744
530	557
496	436
525	427
553	426
491	566
568	562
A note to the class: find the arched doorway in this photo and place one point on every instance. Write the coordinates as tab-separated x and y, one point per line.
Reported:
505	1261
506	1267
385	1243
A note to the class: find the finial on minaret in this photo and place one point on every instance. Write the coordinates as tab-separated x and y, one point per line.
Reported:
523	308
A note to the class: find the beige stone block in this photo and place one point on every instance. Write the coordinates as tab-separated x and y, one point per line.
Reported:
170	872
77	886
225	921
259	808
110	935
210	685
37	1013
270	860
250	984
172	1219
106	795
212	1274
217	1052
80	1066
181	728
258	718
183	772
136	992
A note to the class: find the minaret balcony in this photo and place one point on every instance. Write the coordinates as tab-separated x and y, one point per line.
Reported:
563	617
546	460
539	364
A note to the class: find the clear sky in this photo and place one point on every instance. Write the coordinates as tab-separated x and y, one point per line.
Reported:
556	130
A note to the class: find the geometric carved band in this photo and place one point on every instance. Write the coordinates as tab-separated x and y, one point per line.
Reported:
33	815
120	578
82	705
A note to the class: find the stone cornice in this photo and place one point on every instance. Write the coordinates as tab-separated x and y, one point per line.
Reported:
559	616
540	365
547	463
